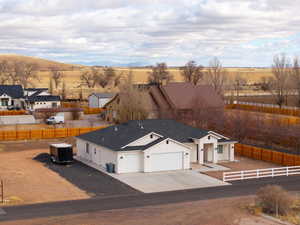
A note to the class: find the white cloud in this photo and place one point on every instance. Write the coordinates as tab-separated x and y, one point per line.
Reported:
147	31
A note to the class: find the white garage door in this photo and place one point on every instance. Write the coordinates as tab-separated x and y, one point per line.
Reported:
167	161
131	163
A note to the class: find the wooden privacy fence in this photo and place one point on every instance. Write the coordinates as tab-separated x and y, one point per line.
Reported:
12	112
86	109
261	173
264	109
267	155
45	133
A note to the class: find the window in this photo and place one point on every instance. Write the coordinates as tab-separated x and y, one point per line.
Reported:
151	135
95	151
220	149
167	141
208	137
87	148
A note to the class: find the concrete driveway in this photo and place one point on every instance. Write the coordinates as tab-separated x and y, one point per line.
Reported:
168	181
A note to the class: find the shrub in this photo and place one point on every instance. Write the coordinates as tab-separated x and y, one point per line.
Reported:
273	199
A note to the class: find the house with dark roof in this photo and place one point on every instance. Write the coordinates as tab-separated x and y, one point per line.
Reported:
153	145
40	98
98	100
11	96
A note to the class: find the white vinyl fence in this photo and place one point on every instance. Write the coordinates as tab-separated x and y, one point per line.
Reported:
260	173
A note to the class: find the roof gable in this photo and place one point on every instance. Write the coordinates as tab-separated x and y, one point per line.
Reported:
14	91
115	137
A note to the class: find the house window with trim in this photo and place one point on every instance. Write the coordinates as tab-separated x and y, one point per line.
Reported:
220	149
87	148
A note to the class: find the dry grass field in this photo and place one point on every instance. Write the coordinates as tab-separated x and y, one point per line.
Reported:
140	75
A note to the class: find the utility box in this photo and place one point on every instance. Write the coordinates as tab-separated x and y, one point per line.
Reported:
61	153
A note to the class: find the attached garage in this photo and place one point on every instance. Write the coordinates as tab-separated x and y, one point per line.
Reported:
167	161
130	162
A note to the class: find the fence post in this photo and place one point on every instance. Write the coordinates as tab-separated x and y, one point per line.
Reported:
272	172
257	173
2	191
287	171
223	177
242	175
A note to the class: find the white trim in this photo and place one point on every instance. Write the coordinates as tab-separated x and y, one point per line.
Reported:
169	139
141	138
217	135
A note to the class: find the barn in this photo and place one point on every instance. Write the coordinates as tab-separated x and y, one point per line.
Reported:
153	145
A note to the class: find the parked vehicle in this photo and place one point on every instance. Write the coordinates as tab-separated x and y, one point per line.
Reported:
55	119
12	107
61	153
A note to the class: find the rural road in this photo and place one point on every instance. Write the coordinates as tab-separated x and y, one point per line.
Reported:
240	188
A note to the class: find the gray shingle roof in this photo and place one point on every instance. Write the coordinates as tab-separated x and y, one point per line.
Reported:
104	95
43	98
115	137
14	91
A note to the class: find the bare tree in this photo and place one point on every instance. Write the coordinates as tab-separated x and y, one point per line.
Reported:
88	79
4	72
23	73
279	85
64	91
107	76
192	72
295	75
238	83
56	76
216	75
51	86
133	103
159	74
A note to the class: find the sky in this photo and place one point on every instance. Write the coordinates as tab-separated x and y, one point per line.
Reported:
144	32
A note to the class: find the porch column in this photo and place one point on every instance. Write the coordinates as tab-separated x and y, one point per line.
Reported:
231	152
200	153
215	153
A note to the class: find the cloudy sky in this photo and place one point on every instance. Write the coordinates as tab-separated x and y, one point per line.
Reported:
143	32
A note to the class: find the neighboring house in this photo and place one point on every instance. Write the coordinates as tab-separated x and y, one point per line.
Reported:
40	98
153	145
11	96
98	100
42	101
35	91
174	99
182	98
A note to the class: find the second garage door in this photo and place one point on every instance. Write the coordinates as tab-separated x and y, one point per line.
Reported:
167	161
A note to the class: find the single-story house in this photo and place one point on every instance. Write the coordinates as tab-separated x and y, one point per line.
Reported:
153	145
35	91
42	101
11	96
98	100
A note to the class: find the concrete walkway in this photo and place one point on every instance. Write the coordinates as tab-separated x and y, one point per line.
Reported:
162	181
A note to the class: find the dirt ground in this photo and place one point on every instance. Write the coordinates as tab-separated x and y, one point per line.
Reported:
16	146
242	163
88	121
27	181
228	211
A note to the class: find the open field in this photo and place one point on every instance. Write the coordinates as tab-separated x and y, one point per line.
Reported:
227	211
140	75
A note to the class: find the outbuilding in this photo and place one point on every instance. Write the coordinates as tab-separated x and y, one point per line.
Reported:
153	145
98	100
